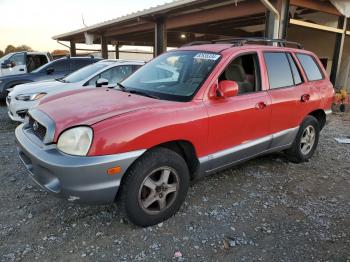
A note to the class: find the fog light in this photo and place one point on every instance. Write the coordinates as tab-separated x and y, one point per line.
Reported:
114	170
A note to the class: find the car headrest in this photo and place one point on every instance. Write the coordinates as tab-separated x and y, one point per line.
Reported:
235	72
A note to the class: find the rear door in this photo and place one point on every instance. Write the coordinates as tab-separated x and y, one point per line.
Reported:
286	87
314	85
239	125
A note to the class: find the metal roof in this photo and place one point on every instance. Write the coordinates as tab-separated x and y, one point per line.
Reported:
149	11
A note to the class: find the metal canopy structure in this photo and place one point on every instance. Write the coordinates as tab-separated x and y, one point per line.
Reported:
182	21
176	23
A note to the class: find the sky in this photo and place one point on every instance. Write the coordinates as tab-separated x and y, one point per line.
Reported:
35	22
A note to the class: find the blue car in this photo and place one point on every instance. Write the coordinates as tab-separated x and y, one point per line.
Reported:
53	70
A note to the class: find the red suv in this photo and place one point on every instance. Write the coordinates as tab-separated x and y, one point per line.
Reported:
187	113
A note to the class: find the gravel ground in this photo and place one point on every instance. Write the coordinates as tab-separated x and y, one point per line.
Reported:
264	210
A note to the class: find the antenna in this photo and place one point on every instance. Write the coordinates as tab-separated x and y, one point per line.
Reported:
82	18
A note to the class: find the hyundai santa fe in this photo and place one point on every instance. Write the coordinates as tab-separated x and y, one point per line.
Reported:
141	144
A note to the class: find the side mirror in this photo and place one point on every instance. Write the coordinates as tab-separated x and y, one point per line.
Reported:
101	82
50	70
8	64
226	88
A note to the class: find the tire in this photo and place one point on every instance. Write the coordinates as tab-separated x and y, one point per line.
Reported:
167	174
304	145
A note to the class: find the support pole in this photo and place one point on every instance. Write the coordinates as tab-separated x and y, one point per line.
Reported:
160	41
117	51
273	19
104	47
269	26
338	49
73	50
284	18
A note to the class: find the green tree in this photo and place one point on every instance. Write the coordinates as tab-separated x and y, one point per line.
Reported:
10	49
24	48
1	53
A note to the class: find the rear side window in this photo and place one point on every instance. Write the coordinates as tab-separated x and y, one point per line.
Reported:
60	65
295	71
311	69
278	70
79	63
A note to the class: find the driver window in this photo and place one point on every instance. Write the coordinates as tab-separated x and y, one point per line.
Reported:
18	59
245	71
114	75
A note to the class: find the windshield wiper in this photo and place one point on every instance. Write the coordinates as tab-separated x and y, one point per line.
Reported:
142	94
121	87
61	80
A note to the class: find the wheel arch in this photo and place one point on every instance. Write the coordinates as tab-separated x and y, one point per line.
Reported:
321	117
186	150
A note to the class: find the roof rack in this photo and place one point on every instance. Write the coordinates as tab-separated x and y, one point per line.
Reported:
240	41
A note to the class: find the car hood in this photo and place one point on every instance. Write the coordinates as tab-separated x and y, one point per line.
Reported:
36	87
91	106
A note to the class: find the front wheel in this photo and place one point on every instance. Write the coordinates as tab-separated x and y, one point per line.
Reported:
306	141
154	188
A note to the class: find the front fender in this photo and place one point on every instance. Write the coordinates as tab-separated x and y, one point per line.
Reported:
147	128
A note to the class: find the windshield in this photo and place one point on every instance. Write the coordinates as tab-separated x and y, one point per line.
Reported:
2	59
173	76
84	73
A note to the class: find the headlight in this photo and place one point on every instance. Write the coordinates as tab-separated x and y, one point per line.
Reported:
30	97
75	141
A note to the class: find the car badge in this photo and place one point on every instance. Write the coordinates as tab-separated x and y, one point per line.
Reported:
35	126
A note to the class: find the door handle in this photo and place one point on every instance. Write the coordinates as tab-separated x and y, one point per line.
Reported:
305	98
21	69
260	105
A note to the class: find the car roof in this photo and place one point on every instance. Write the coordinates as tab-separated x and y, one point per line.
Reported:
216	48
122	61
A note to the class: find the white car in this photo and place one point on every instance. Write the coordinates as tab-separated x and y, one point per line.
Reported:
106	72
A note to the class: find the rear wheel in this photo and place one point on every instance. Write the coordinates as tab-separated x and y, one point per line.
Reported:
306	141
154	188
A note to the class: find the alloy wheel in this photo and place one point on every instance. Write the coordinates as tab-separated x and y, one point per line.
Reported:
307	140
158	190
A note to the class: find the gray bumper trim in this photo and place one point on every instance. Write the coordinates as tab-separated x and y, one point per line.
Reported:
83	179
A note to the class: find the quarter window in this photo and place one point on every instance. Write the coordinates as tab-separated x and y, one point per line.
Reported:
311	69
278	70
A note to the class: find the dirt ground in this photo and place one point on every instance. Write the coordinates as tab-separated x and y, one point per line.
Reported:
264	210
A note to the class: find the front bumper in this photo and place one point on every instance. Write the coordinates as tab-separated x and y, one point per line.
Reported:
18	109
75	178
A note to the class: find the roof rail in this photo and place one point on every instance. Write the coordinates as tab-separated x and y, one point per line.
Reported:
199	43
239	41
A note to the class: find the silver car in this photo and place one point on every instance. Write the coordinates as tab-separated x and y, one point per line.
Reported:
107	72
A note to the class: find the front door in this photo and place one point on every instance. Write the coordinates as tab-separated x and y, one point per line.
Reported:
239	125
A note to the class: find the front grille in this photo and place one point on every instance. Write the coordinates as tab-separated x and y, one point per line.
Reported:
38	129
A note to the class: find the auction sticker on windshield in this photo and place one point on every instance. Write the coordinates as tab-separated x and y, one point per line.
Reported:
207	56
